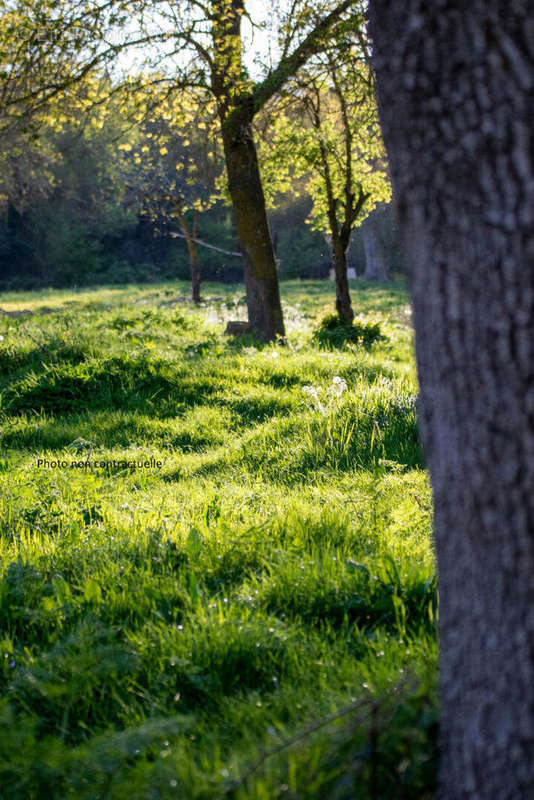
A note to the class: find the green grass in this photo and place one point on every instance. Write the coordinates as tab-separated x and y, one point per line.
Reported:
255	617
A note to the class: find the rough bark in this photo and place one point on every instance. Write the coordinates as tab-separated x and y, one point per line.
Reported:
456	90
375	260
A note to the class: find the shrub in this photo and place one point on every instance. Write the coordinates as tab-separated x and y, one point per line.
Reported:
332	331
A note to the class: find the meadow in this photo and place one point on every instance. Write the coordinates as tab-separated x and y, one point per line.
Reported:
226	589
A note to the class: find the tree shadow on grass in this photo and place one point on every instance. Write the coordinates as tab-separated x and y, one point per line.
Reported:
17	363
191	415
116	382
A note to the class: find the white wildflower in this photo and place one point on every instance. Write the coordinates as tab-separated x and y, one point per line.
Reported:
313	394
339	385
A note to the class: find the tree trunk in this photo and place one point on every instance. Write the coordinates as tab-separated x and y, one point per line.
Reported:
238	100
192	250
375	261
339	234
339	262
194	268
194	263
248	201
236	105
456	91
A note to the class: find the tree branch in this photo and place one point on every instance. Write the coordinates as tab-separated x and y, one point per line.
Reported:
288	66
211	246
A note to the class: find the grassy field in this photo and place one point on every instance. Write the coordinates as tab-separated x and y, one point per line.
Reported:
216	567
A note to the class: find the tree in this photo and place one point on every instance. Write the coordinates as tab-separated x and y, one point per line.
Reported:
455	84
329	140
202	43
64	188
173	167
47	47
238	101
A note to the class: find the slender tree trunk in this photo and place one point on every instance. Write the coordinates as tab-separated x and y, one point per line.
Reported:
190	235
194	263
248	201
375	261
339	262
194	268
456	93
339	234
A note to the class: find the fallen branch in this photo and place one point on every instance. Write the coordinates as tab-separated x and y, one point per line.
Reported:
211	246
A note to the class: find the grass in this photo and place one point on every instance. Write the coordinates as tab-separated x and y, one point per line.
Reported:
253	617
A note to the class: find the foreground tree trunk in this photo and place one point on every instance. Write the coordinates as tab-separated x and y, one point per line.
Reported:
375	261
456	91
